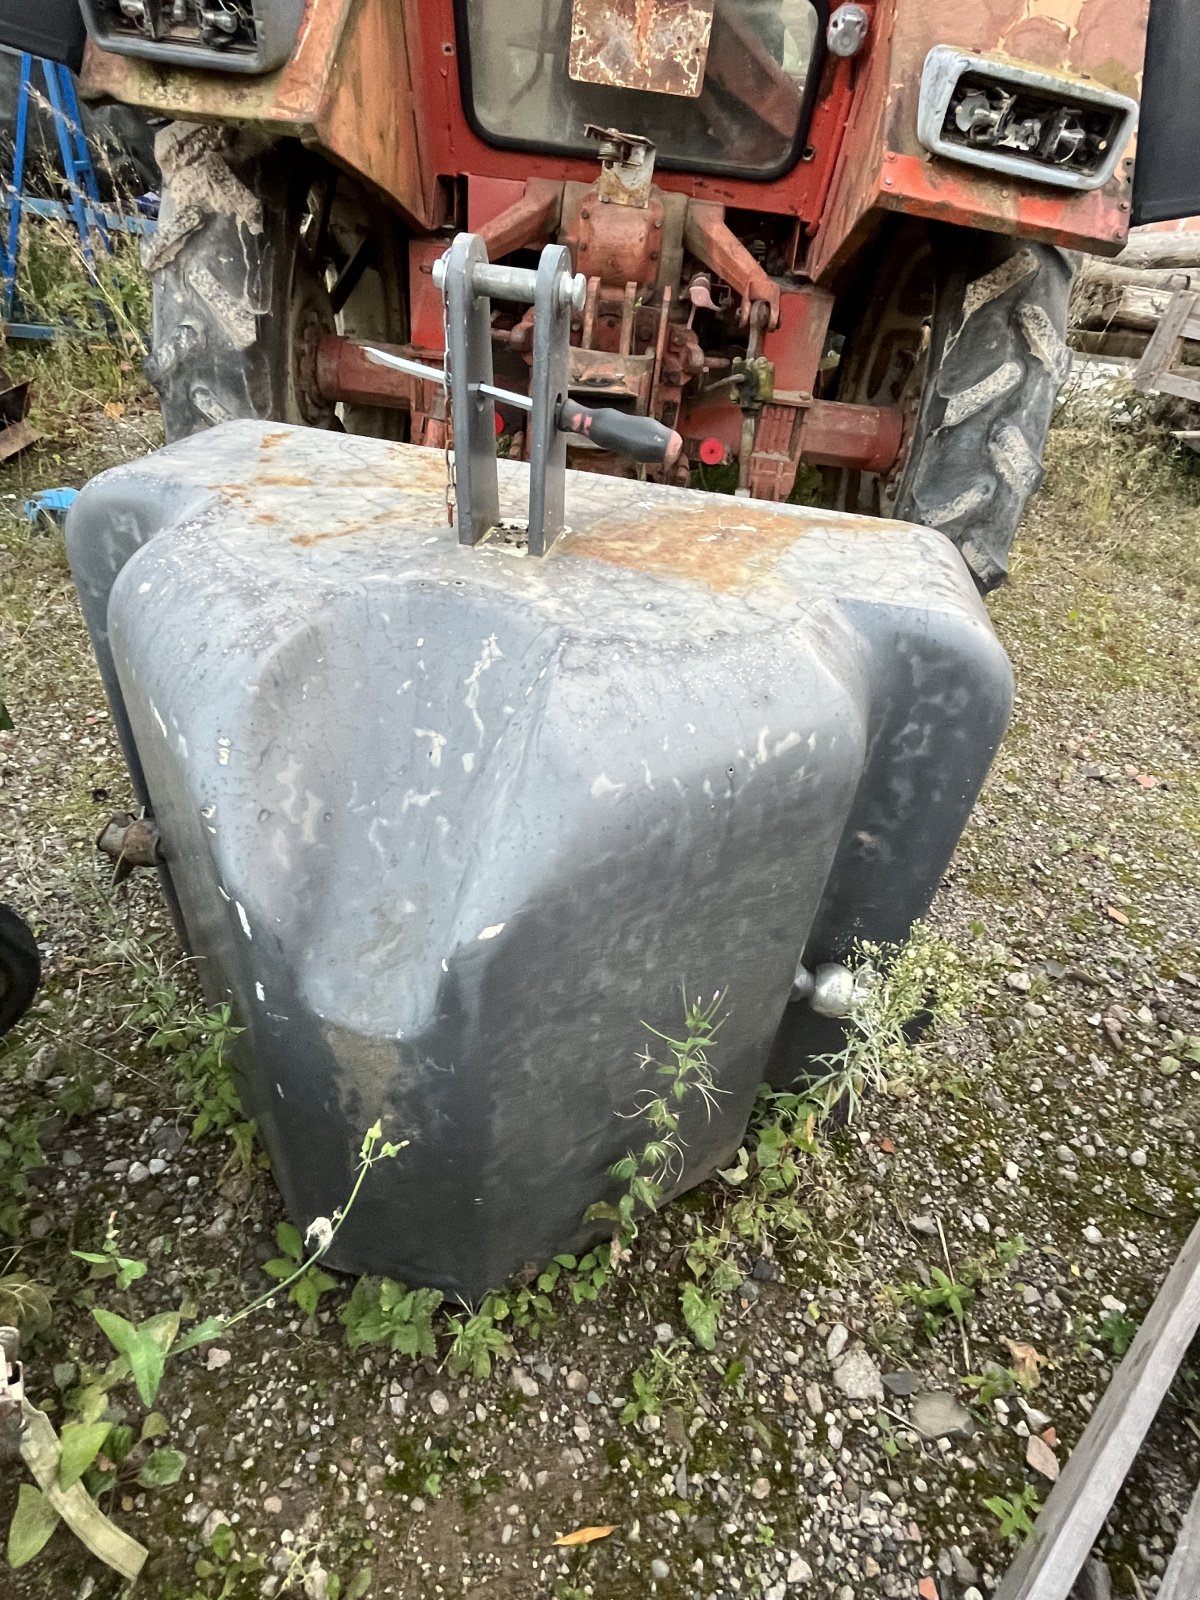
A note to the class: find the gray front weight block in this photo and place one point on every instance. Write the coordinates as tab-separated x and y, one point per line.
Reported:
451	826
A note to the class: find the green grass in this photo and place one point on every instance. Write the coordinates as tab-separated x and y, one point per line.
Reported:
93	369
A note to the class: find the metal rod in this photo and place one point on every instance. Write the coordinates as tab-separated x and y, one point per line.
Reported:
521	401
517	283
418	369
414	369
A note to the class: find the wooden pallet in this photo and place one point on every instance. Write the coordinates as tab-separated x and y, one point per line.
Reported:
1117	305
1161	367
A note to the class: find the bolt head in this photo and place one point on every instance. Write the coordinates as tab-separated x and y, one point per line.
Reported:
712	451
846	31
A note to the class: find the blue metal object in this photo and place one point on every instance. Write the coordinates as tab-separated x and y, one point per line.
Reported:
8	266
83	204
51	504
83	208
83	190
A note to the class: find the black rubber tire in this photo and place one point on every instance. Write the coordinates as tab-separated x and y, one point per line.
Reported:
239	301
997	359
990	363
20	968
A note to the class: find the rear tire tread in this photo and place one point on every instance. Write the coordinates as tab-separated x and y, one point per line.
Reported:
209	265
996	365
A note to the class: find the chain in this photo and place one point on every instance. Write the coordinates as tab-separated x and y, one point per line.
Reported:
448	429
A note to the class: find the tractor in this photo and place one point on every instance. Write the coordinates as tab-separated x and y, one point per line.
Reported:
829	244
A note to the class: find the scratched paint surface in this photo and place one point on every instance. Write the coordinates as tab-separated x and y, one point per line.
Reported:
655	45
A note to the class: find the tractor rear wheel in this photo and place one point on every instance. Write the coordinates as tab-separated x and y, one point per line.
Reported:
965	331
261	250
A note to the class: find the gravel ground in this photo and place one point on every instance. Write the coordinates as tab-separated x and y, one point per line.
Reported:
830	1446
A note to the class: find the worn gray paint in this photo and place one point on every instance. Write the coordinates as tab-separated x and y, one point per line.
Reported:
450	824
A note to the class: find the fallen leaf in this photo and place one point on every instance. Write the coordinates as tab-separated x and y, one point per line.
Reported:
114	408
586	1535
887	1146
1026	1361
1117	916
1041	1458
740	1170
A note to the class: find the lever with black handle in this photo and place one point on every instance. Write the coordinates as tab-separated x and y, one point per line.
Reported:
635	438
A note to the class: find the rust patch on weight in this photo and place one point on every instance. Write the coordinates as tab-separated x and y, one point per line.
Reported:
306	541
730	551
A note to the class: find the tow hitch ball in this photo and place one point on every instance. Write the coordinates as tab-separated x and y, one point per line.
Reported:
831	990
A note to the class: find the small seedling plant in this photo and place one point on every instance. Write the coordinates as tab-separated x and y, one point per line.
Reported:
942	1297
307	1283
893	989
685	1074
1015	1513
665	1379
108	1262
1118	1332
197	1043
20	1153
96	1446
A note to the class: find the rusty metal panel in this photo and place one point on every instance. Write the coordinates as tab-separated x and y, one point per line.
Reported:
367	119
347	88
426	317
286	99
655	45
883	166
795	347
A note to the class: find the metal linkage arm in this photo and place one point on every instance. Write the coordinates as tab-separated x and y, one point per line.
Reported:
468	377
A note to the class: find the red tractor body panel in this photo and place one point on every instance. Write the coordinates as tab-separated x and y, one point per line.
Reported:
712	292
377	85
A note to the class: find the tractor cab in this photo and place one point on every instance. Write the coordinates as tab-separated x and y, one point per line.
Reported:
718	86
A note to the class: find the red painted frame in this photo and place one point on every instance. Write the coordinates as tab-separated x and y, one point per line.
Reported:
449	145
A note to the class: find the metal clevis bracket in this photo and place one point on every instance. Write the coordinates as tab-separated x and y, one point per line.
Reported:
468	282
